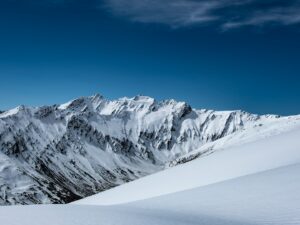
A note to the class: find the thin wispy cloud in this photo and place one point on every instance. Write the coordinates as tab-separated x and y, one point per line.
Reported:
169	12
223	14
279	16
227	14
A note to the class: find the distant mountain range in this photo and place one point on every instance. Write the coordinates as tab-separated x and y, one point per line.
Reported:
62	153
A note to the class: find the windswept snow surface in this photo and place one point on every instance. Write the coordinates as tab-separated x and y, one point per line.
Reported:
267	198
270	197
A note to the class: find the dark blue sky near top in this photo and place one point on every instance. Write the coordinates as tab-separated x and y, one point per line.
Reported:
54	51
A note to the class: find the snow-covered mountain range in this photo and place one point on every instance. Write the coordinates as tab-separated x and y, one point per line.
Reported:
252	178
62	153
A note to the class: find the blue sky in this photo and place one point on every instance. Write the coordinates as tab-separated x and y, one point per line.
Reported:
218	54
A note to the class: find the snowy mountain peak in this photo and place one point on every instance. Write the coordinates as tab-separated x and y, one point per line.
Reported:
15	111
97	96
65	152
143	98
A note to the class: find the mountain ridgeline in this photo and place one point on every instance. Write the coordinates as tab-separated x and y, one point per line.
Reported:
61	153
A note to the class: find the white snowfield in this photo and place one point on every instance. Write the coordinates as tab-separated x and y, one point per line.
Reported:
257	182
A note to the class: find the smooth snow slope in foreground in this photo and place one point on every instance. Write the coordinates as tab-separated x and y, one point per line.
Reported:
269	153
267	198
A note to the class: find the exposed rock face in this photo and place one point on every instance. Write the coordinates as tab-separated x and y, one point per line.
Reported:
60	153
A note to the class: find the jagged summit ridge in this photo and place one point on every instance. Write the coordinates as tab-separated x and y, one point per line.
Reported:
59	153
